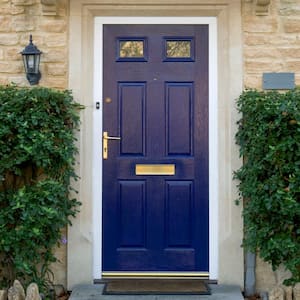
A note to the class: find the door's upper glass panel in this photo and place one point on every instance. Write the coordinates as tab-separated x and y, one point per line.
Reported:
131	49
179	49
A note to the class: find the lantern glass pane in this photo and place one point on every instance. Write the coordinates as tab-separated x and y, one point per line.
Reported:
37	63
178	49
30	63
24	57
131	49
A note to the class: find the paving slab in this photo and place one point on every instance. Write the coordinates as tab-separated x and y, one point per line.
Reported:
94	292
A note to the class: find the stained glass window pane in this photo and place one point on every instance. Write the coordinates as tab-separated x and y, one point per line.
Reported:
178	49
131	49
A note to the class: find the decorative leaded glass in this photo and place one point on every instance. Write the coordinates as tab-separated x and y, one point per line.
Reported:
131	49
178	49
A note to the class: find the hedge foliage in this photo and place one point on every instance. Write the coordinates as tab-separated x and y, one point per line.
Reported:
37	159
269	140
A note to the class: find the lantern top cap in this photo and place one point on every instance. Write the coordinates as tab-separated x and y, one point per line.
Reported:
30	48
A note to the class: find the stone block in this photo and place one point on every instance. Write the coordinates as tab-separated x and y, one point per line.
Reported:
254	66
32	292
293	65
16	292
8	39
12	53
5	23
291	25
24	2
277	293
16	10
289	11
19	80
288	290
289	8
53	25
4	80
288	1
291	52
265	54
56	69
55	56
296	291
265	277
11	67
38	39
23	23
7	10
56	40
18	286
256	40
258	24
57	83
3	294
253	81
263	41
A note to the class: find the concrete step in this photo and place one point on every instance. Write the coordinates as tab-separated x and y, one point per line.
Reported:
94	292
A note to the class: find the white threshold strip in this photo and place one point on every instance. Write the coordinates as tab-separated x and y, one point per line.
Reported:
213	133
177	275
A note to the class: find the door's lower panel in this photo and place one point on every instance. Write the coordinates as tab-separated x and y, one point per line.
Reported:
195	275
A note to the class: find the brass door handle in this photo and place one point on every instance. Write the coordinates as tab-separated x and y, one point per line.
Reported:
106	137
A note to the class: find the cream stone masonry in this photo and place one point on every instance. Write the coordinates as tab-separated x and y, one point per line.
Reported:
18	19
271	44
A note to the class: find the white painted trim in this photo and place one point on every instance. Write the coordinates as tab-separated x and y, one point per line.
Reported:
97	153
213	132
213	153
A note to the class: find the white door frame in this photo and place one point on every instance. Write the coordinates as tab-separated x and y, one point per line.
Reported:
213	132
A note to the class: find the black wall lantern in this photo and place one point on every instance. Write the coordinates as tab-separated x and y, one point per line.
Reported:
31	59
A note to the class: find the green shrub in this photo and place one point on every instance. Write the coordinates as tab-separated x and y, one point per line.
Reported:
37	158
269	140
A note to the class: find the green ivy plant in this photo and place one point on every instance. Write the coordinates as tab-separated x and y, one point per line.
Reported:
269	180
37	159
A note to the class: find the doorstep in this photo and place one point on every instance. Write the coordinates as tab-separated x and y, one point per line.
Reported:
94	292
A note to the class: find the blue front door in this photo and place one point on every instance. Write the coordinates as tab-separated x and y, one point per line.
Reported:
155	169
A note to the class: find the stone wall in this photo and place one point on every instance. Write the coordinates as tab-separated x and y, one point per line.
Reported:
271	41
18	19
271	44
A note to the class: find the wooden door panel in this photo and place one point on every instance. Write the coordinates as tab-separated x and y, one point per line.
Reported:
179	113
132	97
156	77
